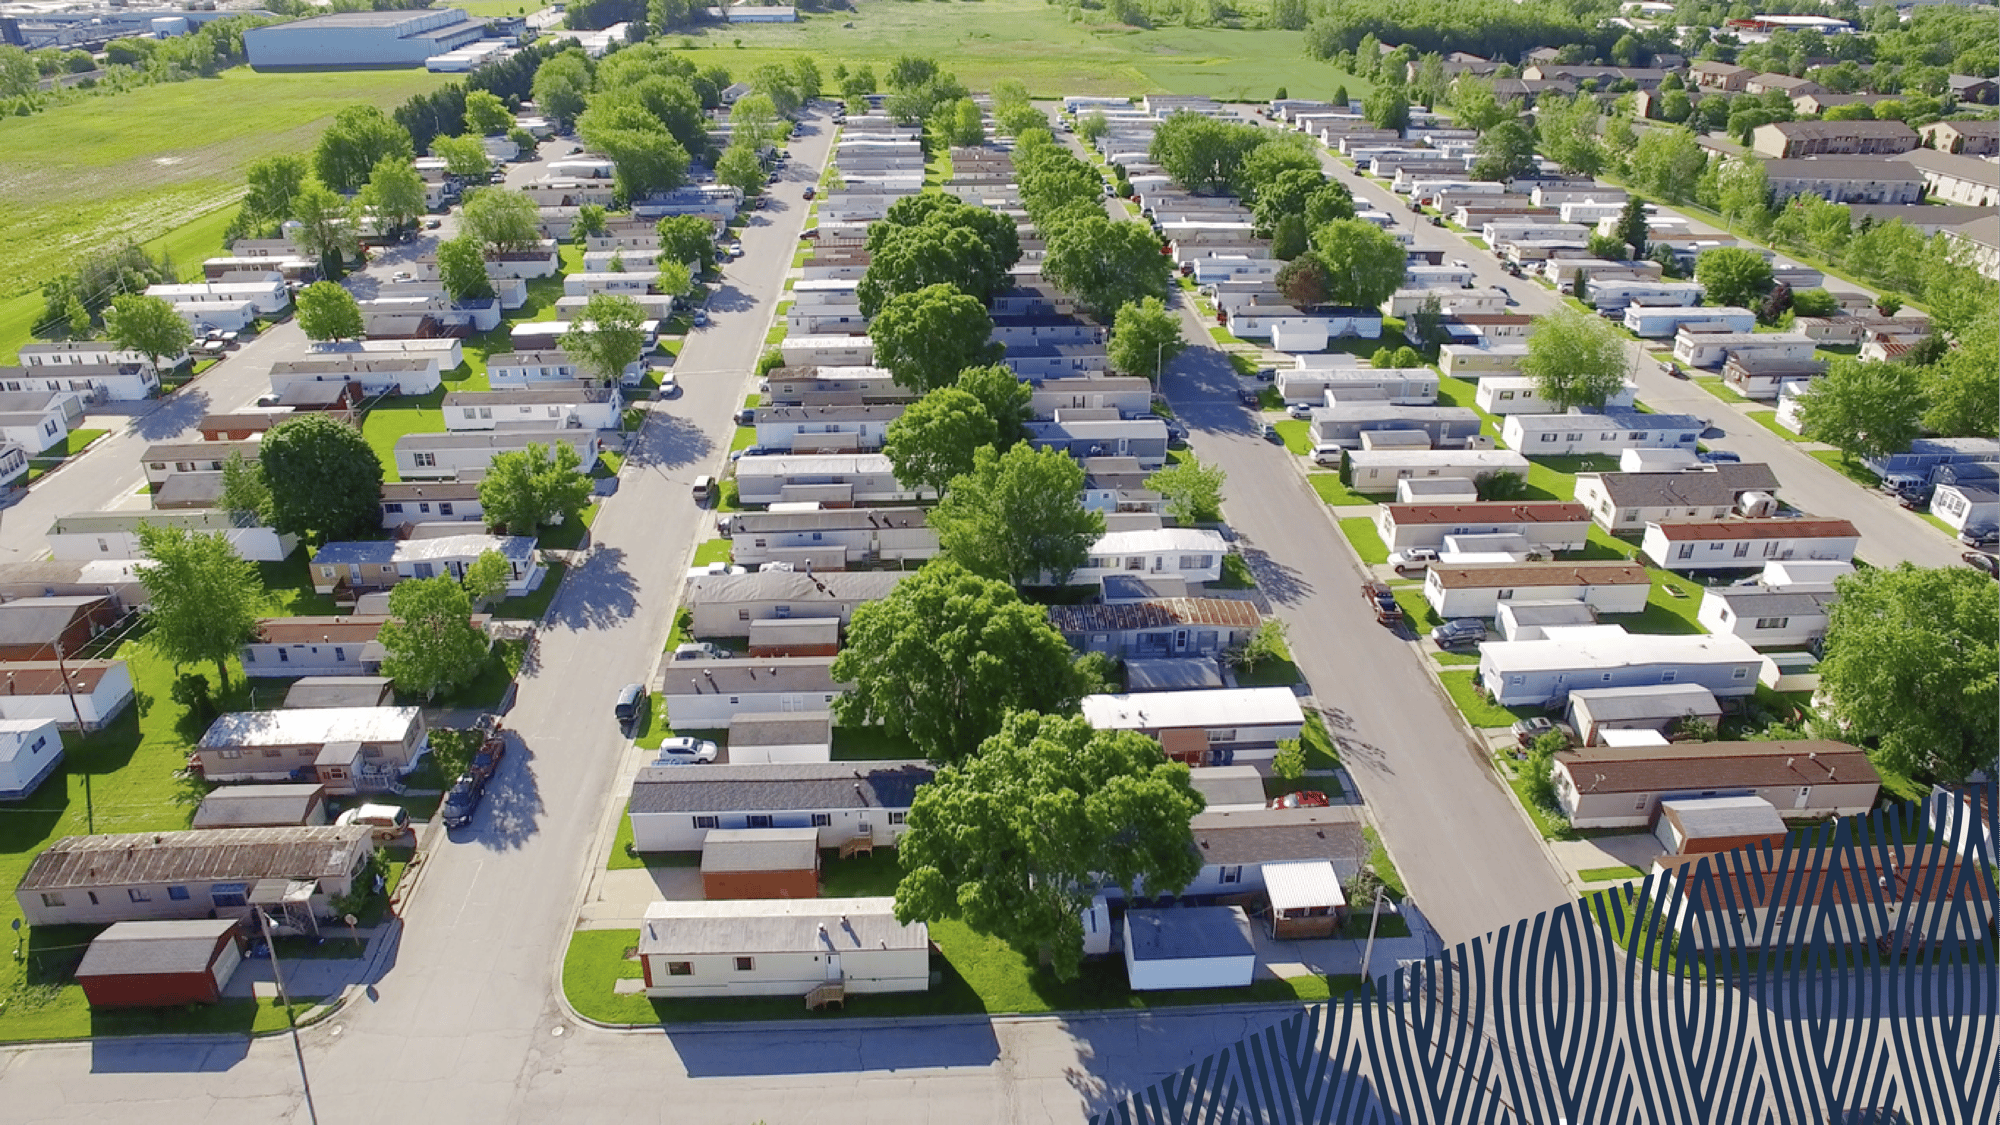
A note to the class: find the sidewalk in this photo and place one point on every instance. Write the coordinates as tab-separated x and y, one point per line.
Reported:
322	978
1343	956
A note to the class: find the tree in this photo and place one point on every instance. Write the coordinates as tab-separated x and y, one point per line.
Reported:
1305	281
1507	150
1567	129
1814	302
1331	201
1288	238
740	168
1733	275
1364	266
1193	491
1864	409
674	279
360	137
754	120
1502	485
395	193
1606	246
1743	194
589	221
925	338
945	656
462	269
486	115
806	78
1005	398
486	578
1387	108
1575	359
1632	226
689	239
1474	105
1286	194
429	643
605	338
1962	390
204	598
905	259
500	219
326	228
935	438
1018	517
328	312
562	86
148	326
1145	337
526	489
1667	162
1263	164
323	476
646	157
464	157
1106	264
1092	125
243	489
273	182
1016	841
1428	323
1908	662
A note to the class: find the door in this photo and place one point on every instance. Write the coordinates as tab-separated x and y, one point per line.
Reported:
1180	640
1805	792
833	967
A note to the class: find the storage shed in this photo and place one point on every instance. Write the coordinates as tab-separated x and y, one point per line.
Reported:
263	806
773	736
1189	947
1306	899
30	750
158	964
760	863
1692	825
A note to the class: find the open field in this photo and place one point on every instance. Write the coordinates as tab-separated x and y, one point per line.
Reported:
154	163
1034	42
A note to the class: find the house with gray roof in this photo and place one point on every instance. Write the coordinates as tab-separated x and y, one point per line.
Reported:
829	538
377	564
137	876
1629	501
724	605
1766	616
263	806
673	808
443	456
708	694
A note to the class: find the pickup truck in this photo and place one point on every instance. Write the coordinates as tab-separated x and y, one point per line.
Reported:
1384	602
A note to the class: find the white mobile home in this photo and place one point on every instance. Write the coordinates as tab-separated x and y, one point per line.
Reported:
1713	349
1660	321
831	479
1479	590
1536	673
1204	727
1551	435
444	456
709	694
1193	554
1189	947
673	808
1520	394
578	405
1746	544
817	949
115	535
1547	525
1648	707
1383	470
1469	361
1764	616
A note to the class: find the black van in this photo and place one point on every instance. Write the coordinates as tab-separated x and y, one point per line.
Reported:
629	701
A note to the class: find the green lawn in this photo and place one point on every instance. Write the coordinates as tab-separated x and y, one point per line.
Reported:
711	551
155	165
1714	385
1554	478
531	606
1235	574
74	443
1360	531
1417	610
1331	490
744	438
1769	420
1670	608
871	744
1854	471
1551	824
1602	545
1321	754
1609	874
1476	709
288	589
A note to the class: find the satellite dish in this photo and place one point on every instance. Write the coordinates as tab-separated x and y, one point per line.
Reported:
350	919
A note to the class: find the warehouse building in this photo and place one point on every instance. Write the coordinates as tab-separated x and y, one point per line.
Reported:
361	39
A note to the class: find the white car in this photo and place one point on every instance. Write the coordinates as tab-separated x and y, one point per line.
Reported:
1413	558
1300	410
1459	263
686	752
670	387
736	249
698	650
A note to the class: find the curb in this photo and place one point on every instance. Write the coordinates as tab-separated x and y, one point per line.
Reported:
887	1023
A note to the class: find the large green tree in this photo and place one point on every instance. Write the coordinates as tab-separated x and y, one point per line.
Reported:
1145	337
1192	490
562	86
525	489
1018	517
1505	151
945	656
1667	163
645	157
464	157
1962	389
1864	409
149	326
326	229
1286	195
485	114
1305	281
1733	275
327	311
907	259
1106	264
273	181
739	167
360	137
243	489
394	194
203	598
500	219
926	337
1364	266
1576	359
1017	840
606	338
462	269
323	476
429	643
1909	663
1005	398
688	239
935	438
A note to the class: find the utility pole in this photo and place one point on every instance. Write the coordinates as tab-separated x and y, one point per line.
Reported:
69	689
278	978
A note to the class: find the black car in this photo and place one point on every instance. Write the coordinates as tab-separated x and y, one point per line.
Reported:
461	801
1272	435
1251	399
1983	536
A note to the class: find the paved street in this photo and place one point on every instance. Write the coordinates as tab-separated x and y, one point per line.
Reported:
1889	534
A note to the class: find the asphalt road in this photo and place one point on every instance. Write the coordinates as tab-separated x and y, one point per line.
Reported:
1889	534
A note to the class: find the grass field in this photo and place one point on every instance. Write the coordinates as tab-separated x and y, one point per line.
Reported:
160	165
1037	44
1360	531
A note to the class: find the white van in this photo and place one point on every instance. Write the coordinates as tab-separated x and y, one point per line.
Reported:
387	821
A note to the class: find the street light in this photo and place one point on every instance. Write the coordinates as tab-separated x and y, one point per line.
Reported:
278	978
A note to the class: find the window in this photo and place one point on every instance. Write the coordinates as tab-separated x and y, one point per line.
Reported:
139	894
1136	562
1506	396
705	822
340	654
424	508
1226	734
897	817
103	546
822	820
229	754
486	412
1742	549
757	820
680	968
1686	551
1773	622
1572	437
177	894
272	751
745	964
424	460
392	509
52	898
1231	875
284	656
444	509
1669	676
1549	438
1504	595
742	615
1740	674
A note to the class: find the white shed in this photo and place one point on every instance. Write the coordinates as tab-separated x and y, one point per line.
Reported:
30	749
1189	947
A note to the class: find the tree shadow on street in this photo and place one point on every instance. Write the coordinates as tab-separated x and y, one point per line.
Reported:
598	593
669	441
1278	581
175	413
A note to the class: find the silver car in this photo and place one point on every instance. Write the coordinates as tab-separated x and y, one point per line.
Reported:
686	752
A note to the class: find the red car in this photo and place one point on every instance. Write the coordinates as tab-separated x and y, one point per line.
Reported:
1303	799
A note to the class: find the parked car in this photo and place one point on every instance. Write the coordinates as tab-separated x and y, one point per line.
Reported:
1299	410
670	387
1270	433
699	650
686	752
461	801
1383	601
700	318
1303	799
1528	731
1250	398
487	761
1460	264
735	249
386	822
811	191
752	451
1985	535
1413	559
433	224
1984	563
1719	457
1459	632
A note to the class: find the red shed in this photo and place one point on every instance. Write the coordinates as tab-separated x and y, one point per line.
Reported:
760	863
155	964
